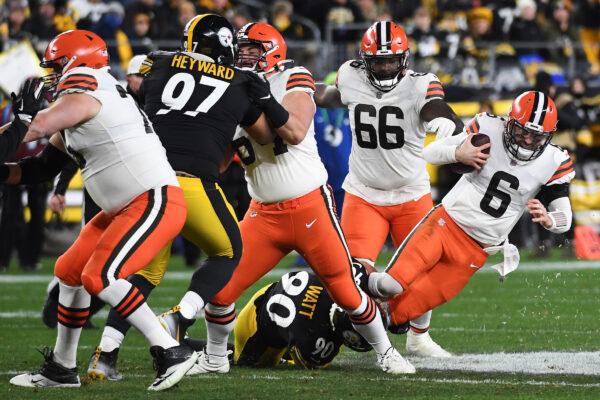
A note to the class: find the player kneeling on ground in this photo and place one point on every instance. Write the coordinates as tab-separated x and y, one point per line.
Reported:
453	241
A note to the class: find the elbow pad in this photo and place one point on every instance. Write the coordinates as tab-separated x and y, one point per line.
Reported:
43	167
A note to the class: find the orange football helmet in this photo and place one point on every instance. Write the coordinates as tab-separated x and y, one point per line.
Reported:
269	40
531	122
70	49
384	51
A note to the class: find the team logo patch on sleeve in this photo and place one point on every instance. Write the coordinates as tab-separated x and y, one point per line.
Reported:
300	80
78	83
434	90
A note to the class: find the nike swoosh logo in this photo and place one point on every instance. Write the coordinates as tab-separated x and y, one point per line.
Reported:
309	225
161	380
34	382
266	97
474	266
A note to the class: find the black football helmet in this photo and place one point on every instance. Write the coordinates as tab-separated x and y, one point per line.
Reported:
343	327
212	36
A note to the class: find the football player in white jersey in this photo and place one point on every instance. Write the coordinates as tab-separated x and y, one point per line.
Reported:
453	241
387	187
126	171
291	208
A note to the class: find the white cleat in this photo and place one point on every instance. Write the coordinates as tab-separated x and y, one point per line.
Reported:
393	363
171	365
208	363
422	345
52	374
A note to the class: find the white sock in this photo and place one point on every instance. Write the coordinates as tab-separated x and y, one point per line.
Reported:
190	305
129	302
383	285
420	324
220	321
366	319
111	339
73	311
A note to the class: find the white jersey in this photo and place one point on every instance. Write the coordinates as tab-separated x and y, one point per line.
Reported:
281	171
487	204
117	150
386	161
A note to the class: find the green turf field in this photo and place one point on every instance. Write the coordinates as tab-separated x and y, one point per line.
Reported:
549	314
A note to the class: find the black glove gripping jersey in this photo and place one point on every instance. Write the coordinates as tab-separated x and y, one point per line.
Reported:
195	106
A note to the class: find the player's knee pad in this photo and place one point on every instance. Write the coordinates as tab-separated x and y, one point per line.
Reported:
92	282
63	270
382	285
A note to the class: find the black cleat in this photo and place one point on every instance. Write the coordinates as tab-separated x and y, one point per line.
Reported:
171	365
52	374
103	365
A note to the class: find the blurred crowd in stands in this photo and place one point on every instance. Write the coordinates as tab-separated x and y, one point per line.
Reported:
482	50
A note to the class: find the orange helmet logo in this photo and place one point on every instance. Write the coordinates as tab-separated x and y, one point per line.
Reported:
269	40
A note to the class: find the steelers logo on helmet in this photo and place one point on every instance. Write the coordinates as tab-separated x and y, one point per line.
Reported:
350	337
531	122
384	51
210	35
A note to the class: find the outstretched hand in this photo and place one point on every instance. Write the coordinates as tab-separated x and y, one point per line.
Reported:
29	100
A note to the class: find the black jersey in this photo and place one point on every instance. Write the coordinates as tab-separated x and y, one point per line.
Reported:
296	313
195	106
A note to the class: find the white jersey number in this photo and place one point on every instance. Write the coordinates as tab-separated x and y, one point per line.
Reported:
293	285
177	102
390	136
494	192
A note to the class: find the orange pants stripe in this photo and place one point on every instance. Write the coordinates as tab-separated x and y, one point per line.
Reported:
433	266
110	247
307	224
367	226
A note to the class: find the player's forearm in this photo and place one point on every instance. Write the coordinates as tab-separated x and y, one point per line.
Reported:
31	170
11	137
327	96
559	211
443	151
293	131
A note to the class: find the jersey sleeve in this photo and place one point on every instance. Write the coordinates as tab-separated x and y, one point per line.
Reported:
430	88
300	80
473	126
251	116
565	171
78	80
343	79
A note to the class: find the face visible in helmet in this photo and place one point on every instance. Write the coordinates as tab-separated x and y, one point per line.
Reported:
249	55
531	123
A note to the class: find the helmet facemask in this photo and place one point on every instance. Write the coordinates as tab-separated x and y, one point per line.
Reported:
385	71
525	143
57	66
250	55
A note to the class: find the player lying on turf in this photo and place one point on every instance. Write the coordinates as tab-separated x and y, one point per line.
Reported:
453	241
127	173
292	208
387	186
293	318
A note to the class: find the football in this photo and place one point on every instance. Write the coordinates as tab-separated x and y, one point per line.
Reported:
477	140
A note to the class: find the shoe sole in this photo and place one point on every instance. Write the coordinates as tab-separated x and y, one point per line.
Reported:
194	373
177	375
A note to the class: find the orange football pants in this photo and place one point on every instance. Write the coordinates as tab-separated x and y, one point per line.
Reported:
433	265
367	226
307	224
110	247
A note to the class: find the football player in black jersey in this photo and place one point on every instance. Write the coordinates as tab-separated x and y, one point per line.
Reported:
294	319
195	99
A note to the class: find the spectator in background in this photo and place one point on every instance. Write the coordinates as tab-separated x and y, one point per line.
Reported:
561	32
109	29
239	16
42	22
424	41
141	33
589	20
340	13
282	18
525	28
480	31
17	24
26	237
213	6
139	6
88	12
186	11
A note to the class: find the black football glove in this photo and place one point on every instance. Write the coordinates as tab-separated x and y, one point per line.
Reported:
260	94
26	105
